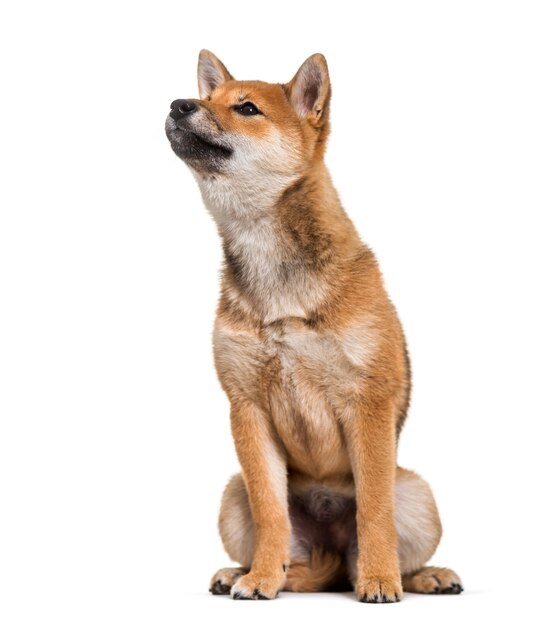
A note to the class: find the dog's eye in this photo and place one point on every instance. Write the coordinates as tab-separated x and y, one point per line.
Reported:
247	109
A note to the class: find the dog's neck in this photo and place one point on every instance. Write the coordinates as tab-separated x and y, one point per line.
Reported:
241	198
280	237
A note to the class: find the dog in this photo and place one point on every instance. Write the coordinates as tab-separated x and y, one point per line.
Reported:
310	352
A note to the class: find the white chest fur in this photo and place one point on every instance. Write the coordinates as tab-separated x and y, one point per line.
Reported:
244	210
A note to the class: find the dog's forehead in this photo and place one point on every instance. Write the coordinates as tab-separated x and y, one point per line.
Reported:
238	91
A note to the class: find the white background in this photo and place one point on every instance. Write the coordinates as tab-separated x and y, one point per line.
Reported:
115	442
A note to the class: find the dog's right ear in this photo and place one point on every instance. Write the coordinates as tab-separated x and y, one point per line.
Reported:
211	73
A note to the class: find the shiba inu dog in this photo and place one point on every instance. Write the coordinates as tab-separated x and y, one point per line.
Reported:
309	351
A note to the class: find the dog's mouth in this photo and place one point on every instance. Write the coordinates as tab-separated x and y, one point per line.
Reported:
207	144
191	145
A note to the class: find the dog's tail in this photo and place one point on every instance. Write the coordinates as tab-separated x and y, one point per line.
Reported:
323	571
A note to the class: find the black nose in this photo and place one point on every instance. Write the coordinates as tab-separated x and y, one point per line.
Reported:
181	108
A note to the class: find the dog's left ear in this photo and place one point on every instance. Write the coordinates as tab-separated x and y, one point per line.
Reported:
309	91
211	73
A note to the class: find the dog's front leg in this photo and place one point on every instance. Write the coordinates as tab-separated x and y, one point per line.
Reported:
265	474
371	441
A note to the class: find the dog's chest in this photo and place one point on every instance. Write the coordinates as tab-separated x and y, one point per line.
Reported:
312	388
307	378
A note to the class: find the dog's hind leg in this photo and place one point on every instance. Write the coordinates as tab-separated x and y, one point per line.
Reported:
419	531
236	528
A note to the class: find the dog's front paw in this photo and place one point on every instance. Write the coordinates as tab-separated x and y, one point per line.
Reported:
255	587
379	589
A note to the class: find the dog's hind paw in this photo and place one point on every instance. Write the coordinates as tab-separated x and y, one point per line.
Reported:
436	580
224	579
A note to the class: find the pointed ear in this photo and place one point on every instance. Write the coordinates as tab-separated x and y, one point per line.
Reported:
309	90
211	73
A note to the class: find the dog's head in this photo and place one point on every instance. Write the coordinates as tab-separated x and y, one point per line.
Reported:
245	130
